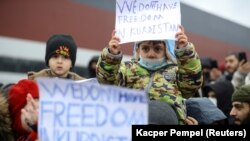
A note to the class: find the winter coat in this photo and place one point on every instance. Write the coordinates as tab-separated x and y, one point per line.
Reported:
223	91
170	83
47	73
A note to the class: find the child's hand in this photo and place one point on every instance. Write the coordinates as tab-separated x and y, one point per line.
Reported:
30	112
191	121
181	38
114	46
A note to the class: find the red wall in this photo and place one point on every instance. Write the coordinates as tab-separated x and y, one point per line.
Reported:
207	47
91	27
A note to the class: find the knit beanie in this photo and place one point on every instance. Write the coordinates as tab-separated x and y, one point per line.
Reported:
242	94
161	113
63	45
17	100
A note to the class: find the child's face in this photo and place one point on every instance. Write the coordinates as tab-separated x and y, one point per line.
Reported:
60	65
152	49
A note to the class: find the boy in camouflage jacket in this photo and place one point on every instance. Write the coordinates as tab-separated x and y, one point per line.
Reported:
152	70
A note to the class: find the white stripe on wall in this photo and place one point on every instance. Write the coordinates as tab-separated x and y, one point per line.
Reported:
34	50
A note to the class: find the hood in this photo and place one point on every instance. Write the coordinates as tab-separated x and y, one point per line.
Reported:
170	45
161	113
204	111
223	91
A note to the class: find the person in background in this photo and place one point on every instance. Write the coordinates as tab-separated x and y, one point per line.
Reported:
242	75
205	112
220	94
6	133
211	73
30	113
206	68
92	67
210	70
241	105
5	88
231	65
222	67
17	99
60	57
215	72
153	70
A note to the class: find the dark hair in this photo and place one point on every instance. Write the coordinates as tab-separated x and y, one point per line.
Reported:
232	54
5	88
214	63
242	56
91	71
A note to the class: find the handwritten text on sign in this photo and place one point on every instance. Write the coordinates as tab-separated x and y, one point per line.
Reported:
138	20
83	111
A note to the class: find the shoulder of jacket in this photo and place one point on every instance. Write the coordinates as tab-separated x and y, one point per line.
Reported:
75	76
33	75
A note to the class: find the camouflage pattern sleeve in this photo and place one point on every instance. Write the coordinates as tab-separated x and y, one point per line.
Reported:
189	73
108	67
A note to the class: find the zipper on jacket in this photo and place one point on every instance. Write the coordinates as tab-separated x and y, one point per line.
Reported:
147	88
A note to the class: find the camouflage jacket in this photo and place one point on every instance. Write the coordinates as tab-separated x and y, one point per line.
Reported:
170	84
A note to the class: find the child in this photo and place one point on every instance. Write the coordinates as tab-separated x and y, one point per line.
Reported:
60	57
153	71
